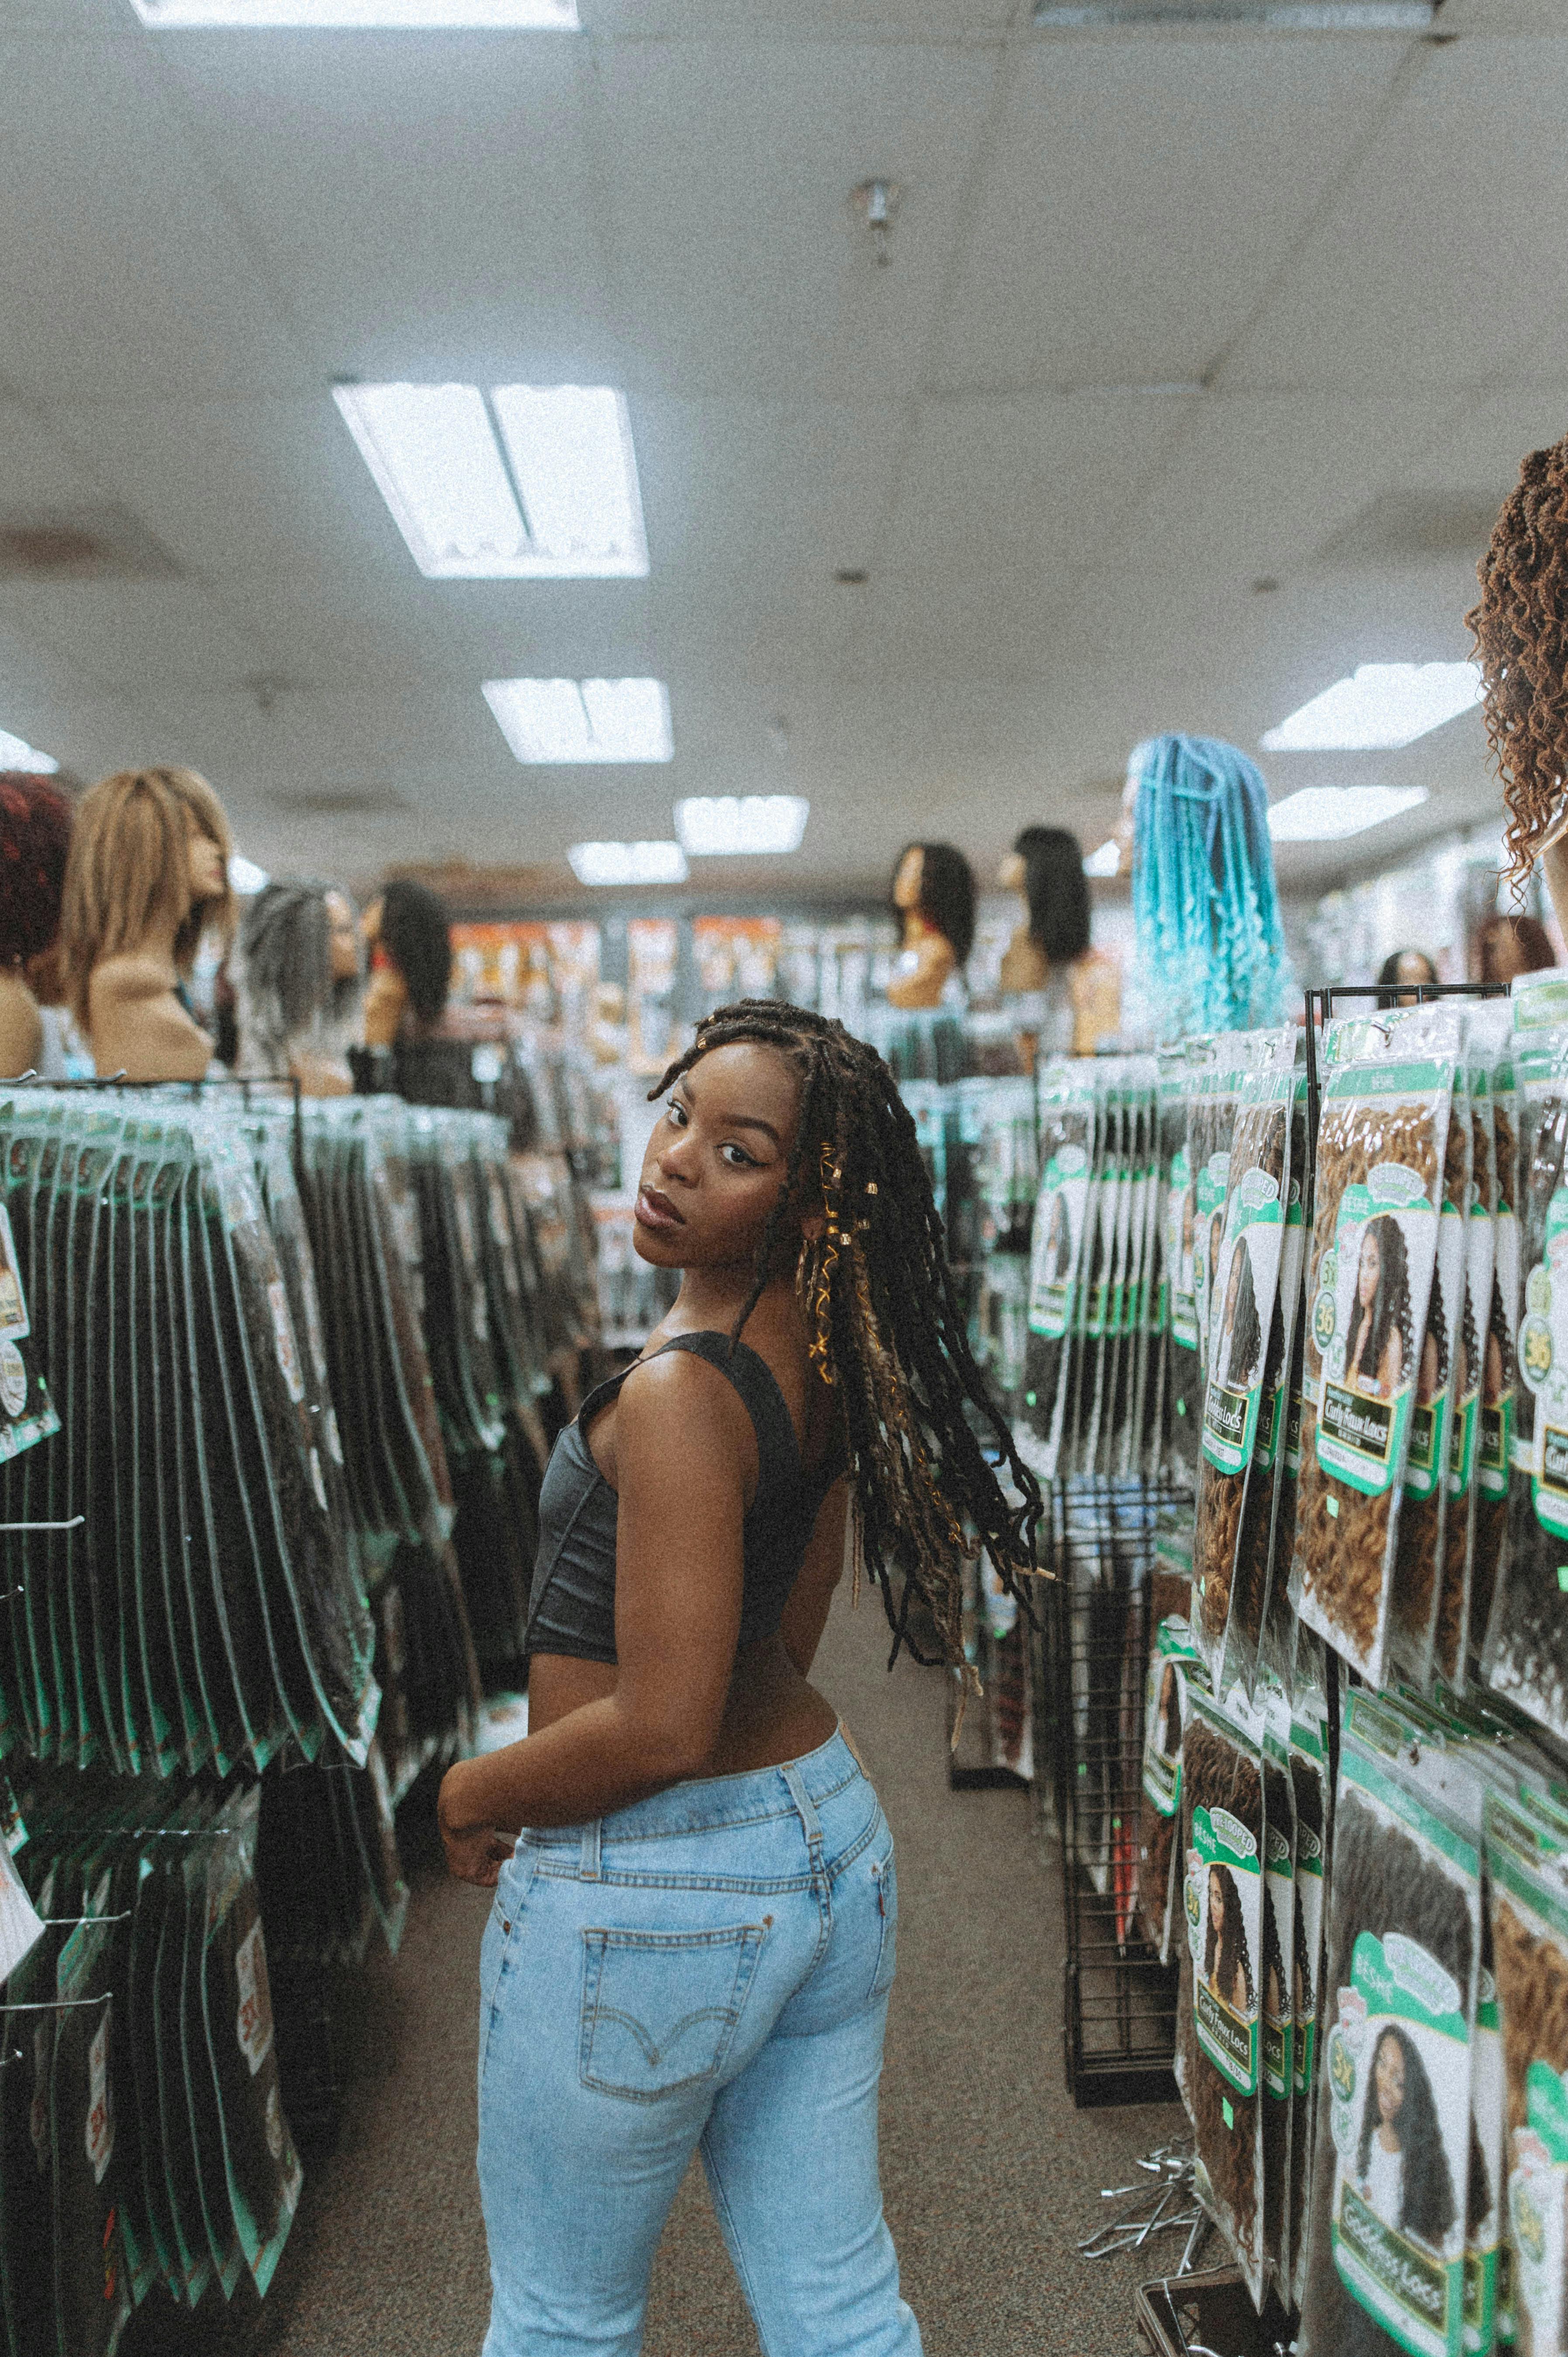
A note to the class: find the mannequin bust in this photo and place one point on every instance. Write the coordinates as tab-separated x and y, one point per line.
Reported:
1045	966
148	874
300	987
35	834
933	898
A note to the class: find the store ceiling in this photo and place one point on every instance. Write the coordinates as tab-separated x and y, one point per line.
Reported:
1167	316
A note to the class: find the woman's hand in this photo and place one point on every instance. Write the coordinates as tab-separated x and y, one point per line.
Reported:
476	1852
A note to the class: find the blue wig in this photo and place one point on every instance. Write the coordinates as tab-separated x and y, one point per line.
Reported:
1210	951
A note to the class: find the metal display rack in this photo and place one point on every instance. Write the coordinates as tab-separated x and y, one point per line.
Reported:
1119	2000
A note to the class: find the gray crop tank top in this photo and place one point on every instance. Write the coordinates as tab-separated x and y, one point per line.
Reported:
572	1602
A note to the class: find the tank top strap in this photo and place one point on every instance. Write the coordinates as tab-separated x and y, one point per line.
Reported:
778	1450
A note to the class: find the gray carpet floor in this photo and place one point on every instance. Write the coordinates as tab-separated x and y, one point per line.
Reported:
990	2174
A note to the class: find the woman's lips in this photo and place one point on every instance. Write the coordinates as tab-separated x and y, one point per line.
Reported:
656	1210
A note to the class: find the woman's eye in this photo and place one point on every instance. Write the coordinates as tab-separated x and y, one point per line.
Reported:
675	1113
742	1160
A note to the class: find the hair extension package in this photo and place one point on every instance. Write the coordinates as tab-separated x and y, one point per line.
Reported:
1063	1209
1310	1796
1244	1289
1394	2133
1223	1820
1526	1652
1423	1513
1498	1359
1384	1128
1449	1654
1526	1876
1173	1664
1277	1993
1181	1408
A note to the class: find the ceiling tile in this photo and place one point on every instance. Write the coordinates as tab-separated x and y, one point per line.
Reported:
1140	197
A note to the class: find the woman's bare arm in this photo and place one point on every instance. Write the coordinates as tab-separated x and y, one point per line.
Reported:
681	1445
806	1613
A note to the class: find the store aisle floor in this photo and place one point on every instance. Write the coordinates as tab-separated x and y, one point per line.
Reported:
990	2174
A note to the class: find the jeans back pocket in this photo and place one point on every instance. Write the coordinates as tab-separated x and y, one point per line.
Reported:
660	2008
885	1876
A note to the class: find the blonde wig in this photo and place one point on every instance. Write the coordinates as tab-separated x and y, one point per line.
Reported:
129	871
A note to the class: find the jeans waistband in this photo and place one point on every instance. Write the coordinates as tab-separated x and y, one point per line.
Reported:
710	1801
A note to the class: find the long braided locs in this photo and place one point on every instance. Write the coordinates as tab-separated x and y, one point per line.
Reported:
887	1327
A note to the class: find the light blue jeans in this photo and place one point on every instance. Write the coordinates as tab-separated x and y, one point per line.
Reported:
708	1969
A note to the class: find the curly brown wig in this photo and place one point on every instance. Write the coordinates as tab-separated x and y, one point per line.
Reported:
1520	628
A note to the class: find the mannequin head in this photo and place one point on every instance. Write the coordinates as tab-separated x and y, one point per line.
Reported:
148	870
1046	864
300	973
409	923
935	882
35	837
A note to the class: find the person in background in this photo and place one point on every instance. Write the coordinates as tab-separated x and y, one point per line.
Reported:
148	876
35	837
300	987
1407	966
1520	628
409	942
1510	946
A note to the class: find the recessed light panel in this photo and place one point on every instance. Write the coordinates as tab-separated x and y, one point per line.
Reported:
1327	814
551	720
1380	706
245	876
552	495
730	825
1105	861
16	753
628	863
369	16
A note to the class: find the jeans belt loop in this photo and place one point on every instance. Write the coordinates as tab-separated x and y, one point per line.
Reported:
805	1810
592	1837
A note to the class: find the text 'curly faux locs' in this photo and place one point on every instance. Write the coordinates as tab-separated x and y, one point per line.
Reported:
880	1294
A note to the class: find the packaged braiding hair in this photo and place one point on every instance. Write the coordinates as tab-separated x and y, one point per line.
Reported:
1183	1402
1449	1652
1222	1820
1063	1208
1499	1358
1387	2241
1423	1514
1245	1291
1277	1993
1309	1766
1268	1515
1526	1652
1385	1106
1527	1874
1233	1053
1173	1664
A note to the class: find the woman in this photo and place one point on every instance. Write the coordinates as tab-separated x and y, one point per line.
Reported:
692	1939
1227	1966
1409	967
1381	1343
146	876
1402	2170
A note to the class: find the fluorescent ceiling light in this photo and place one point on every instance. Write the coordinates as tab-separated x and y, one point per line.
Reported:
1327	814
1280	16
1381	705
368	16
628	863
16	753
584	719
1105	861
245	876
710	827
544	489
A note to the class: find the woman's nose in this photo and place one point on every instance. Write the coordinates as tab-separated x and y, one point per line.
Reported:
675	1157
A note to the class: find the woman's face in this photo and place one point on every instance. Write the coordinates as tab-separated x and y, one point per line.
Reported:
208	880
716	1160
1216	1901
1369	1274
911	876
1388	2078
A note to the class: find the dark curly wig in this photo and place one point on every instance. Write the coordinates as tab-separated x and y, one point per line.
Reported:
1520	629
35	835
